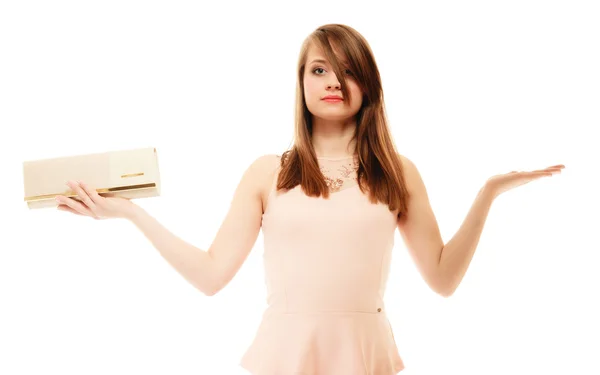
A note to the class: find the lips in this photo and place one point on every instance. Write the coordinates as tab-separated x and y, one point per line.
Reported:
332	97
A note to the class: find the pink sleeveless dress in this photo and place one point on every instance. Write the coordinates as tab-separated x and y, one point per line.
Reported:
326	267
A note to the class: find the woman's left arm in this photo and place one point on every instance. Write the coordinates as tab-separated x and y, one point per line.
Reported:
457	253
444	266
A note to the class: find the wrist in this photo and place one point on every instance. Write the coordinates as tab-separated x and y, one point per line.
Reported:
489	191
133	213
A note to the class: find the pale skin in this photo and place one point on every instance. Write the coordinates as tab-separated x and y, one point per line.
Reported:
442	266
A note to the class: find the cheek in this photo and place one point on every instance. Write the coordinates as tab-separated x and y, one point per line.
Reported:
356	95
309	87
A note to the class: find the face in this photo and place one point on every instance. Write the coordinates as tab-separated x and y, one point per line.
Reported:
320	81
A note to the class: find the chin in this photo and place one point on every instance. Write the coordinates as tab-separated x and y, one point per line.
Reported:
329	117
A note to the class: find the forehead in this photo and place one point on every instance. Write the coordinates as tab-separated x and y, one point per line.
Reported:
317	55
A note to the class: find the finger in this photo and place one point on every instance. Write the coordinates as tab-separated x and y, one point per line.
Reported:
550	169
555	168
546	170
65	208
540	173
62	207
92	193
74	204
85	198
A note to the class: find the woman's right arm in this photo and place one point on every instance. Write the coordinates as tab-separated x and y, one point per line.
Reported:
210	270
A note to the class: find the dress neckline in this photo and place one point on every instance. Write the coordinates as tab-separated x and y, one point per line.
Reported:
334	159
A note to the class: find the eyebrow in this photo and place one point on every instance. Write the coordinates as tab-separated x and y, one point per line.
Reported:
324	62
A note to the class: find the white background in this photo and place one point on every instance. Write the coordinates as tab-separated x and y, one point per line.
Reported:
472	89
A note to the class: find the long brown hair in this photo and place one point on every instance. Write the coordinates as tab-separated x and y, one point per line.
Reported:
380	168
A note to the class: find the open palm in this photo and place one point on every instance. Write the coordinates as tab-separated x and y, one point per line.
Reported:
504	182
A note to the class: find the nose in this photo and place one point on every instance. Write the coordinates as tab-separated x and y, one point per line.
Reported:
335	84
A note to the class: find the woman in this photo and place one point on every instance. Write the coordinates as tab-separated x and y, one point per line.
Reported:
328	208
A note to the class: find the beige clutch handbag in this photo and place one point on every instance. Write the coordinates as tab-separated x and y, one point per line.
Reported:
128	173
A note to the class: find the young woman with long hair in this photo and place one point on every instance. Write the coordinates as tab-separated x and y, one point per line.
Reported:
328	208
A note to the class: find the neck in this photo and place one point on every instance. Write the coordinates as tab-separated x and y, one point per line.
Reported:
333	139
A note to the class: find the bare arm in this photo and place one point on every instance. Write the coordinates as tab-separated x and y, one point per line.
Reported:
210	270
442	266
458	252
419	229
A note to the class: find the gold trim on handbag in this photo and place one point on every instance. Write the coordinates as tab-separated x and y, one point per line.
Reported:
44	179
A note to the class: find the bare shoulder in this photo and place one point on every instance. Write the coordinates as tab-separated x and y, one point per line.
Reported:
267	162
410	171
265	167
413	180
418	201
262	166
264	172
405	161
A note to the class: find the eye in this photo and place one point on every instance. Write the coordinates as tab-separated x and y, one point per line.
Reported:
347	71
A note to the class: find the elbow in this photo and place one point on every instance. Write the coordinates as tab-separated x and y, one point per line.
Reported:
449	288
215	287
445	288
208	281
216	281
206	289
209	290
446	292
445	285
214	284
